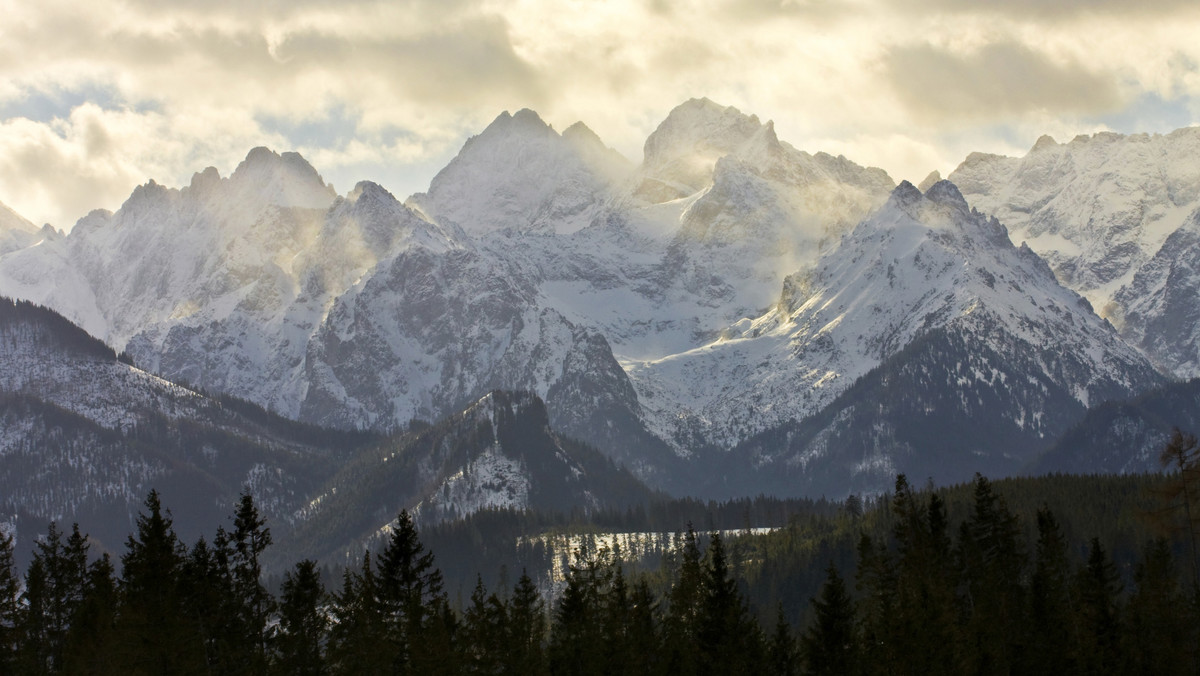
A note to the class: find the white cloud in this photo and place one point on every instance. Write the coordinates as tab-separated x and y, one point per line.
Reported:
399	85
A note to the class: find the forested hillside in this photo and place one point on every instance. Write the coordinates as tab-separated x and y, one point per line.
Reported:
1056	575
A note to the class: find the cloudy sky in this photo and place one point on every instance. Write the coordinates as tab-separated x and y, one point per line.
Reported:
99	96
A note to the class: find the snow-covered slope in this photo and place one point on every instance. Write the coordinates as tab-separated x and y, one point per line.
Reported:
1100	209
83	433
661	272
727	285
923	262
521	174
499	452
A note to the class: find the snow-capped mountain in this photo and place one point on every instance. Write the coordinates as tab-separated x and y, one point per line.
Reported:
729	286
920	264
84	433
520	174
1104	211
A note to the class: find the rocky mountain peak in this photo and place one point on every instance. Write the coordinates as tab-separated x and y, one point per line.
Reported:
927	183
204	182
1044	142
286	180
698	132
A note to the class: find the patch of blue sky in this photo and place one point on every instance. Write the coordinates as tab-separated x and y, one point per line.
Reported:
1153	114
337	127
44	104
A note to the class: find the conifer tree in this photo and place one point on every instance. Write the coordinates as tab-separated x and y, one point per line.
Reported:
925	579
1050	601
357	633
991	565
876	581
1097	617
253	604
33	652
830	645
153	634
302	622
416	615
644	643
207	591
576	639
730	640
783	654
485	629
527	630
10	590
91	633
1158	634
684	607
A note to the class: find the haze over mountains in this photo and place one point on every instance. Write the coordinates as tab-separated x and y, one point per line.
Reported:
730	316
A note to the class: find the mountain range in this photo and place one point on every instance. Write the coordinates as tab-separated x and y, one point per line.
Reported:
729	316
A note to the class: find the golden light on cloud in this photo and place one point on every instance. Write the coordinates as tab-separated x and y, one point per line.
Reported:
98	97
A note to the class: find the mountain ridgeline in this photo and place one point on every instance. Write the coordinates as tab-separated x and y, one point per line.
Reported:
553	326
85	435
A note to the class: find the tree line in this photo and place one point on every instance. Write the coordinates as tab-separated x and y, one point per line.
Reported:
927	597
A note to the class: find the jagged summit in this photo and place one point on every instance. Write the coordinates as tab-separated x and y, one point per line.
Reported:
927	183
921	263
687	144
285	180
1044	142
369	190
1103	210
521	175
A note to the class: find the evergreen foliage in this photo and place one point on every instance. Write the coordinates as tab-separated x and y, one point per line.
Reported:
922	582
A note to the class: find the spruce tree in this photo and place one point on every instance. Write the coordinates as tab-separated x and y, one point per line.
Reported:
1097	616
153	633
1158	635
876	581
527	630
830	645
645	643
10	590
783	654
927	615
730	640
90	637
63	572
207	591
253	604
577	639
1181	457
357	634
416	615
991	566
302	622
684	605
484	633
33	633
